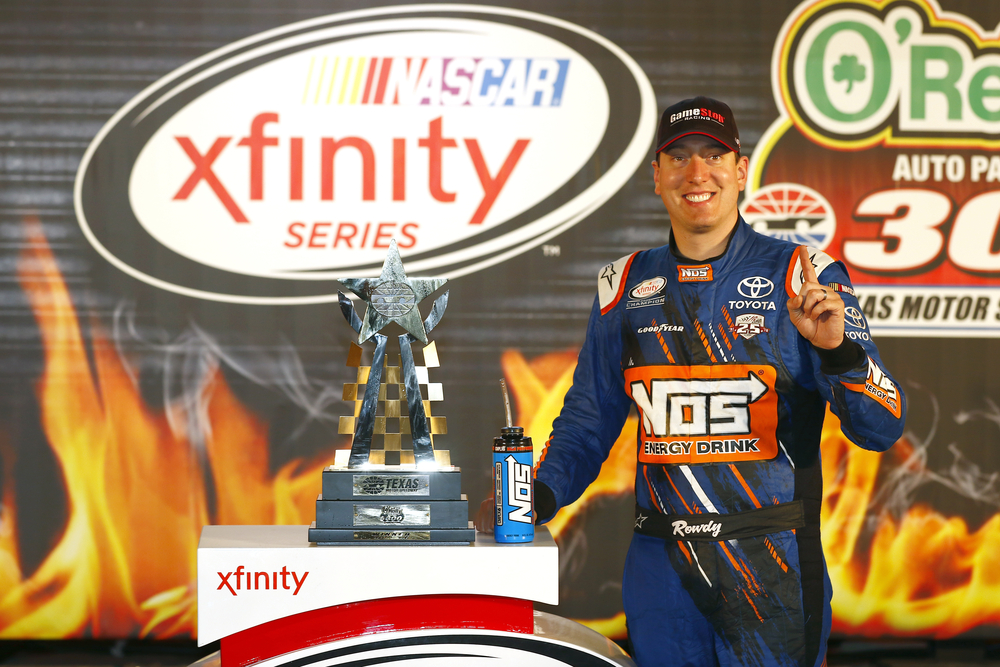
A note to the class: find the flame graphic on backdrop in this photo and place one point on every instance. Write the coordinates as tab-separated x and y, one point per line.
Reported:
539	388
136	498
125	562
921	575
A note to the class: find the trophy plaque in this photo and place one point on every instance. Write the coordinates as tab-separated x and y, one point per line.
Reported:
391	495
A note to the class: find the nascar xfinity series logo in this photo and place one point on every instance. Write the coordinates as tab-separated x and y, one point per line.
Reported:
295	156
648	288
647	293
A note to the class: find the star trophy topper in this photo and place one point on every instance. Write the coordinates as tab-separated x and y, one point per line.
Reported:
391	496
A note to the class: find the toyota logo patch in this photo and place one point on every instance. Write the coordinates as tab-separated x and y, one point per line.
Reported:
755	287
854	317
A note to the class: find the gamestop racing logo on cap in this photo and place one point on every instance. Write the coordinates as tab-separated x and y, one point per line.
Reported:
264	170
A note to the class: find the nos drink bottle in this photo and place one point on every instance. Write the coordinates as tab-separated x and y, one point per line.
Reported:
513	486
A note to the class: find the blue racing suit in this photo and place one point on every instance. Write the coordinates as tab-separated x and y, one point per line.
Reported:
725	566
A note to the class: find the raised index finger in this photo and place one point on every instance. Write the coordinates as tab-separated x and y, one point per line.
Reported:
808	272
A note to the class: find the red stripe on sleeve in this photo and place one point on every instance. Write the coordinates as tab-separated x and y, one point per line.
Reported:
788	274
621	286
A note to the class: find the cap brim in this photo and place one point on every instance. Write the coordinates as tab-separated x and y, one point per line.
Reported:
687	134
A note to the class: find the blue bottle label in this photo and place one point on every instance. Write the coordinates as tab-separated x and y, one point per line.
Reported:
513	487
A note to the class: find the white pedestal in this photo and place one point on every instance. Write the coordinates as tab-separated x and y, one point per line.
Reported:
340	575
274	600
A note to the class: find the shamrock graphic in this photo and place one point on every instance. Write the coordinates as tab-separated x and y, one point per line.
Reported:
849	70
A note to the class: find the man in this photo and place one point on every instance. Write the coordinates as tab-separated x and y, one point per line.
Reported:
730	344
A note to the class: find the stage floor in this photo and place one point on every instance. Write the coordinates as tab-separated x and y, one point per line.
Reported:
135	653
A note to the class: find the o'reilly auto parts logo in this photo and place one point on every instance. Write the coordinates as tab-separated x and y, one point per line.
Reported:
265	169
855	74
902	96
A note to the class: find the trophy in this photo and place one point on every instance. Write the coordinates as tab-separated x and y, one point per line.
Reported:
391	495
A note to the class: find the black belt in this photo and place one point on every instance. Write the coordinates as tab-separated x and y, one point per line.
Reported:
718	527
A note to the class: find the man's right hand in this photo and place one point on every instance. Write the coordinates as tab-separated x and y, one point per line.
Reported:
542	497
484	518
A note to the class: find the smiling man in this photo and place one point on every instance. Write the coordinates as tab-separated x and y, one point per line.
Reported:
730	345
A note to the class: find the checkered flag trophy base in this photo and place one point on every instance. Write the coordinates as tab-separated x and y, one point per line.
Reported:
392	495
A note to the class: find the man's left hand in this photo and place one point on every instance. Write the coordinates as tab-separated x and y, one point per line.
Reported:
817	311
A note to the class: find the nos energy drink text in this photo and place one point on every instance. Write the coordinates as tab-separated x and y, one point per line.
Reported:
513	486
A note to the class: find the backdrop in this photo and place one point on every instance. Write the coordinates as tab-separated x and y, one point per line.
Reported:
183	182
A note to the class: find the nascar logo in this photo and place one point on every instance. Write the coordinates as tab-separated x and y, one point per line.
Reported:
435	81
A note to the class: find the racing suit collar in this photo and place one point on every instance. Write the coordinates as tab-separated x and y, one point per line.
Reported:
739	239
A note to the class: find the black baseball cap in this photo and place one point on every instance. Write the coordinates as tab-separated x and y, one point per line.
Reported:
698	115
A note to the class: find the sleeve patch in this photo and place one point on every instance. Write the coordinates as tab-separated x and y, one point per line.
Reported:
793	281
880	388
841	287
611	282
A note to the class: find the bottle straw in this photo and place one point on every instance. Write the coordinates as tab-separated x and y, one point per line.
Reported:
506	403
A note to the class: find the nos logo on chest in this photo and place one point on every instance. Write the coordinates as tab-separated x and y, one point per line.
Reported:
705	414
